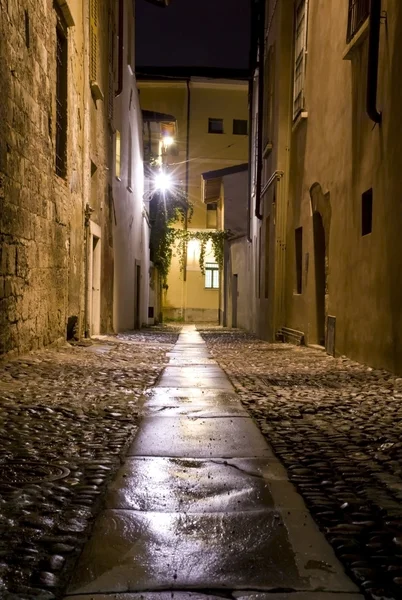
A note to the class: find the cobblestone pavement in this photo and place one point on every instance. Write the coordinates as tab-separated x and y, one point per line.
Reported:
337	427
66	417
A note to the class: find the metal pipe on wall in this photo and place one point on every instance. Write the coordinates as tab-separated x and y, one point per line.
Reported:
260	113
372	68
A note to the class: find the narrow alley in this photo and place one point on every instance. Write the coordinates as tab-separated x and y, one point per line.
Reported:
187	496
200	300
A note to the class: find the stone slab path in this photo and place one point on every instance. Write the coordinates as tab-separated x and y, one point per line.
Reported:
201	507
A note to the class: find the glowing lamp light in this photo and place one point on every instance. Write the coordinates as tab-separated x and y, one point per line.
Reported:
168	141
163	182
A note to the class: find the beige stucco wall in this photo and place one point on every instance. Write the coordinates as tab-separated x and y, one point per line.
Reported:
224	99
130	225
338	147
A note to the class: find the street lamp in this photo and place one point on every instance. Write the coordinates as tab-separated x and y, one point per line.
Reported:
162	182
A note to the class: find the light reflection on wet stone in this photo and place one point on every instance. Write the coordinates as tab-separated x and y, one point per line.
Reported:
74	408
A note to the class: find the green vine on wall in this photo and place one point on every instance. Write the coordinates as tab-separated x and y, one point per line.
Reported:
166	209
184	236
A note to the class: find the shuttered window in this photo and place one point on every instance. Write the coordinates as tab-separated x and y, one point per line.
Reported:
112	37
300	41
94	37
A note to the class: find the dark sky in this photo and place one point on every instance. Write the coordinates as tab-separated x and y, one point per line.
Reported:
201	33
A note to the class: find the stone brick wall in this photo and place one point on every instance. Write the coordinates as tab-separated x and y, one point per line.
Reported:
46	266
35	204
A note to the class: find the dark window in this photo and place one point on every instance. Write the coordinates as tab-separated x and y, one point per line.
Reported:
212	215
27	29
359	10
367	212
111	60
267	246
130	161
239	127
299	259
300	45
61	103
215	125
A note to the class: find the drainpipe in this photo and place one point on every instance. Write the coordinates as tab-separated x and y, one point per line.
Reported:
252	59
121	49
250	151
261	52
86	163
88	212
372	70
187	172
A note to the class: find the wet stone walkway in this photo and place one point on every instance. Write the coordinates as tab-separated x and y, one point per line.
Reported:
66	417
337	427
201	508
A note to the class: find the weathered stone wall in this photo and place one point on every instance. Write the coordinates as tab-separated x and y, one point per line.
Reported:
34	205
47	268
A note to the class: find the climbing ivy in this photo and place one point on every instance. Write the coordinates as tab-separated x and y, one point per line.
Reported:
217	238
166	209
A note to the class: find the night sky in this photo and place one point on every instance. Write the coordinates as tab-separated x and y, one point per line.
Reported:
200	33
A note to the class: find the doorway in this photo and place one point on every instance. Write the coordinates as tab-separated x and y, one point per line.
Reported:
137	296
95	285
235	284
320	275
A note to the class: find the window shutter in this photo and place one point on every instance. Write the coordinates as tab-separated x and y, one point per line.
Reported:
93	25
300	43
112	35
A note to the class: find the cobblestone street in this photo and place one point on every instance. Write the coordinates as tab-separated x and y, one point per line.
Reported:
336	425
66	417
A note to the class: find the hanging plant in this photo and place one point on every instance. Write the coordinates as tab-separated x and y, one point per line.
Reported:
183	236
165	209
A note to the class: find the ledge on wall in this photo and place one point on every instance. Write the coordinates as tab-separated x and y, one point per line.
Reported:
66	12
96	92
356	41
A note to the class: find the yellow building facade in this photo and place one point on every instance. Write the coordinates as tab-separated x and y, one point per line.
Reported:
211	133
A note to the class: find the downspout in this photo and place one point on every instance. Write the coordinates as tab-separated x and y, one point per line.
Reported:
250	150
187	172
372	70
261	52
86	165
121	49
252	60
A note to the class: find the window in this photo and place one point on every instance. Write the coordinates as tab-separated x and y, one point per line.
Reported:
239	127
269	77
367	212
130	161
359	10
61	102
27	29
267	247
212	215
130	44
215	125
112	37
118	155
299	58
211	276
299	259
93	35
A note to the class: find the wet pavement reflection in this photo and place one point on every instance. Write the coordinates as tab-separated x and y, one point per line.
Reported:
201	503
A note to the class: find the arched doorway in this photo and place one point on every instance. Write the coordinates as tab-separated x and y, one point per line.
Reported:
321	211
320	276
